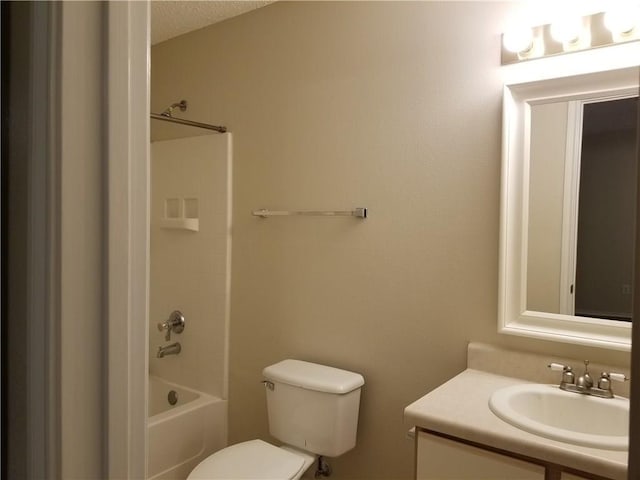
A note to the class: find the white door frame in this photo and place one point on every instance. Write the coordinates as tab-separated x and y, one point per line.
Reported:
128	237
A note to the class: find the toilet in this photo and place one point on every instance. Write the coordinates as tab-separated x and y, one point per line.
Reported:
313	411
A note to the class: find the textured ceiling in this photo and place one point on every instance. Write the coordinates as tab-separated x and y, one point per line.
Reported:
172	18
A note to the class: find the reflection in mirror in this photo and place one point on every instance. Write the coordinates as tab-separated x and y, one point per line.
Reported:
606	210
582	194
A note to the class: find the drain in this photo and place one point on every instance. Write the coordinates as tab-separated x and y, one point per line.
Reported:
172	397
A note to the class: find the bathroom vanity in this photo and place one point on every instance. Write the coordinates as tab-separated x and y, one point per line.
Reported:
457	436
439	457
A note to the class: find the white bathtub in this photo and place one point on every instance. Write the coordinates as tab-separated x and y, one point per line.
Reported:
181	435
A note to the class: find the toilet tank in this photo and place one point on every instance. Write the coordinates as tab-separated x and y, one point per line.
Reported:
313	407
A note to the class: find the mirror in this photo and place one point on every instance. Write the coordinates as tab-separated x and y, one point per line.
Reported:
582	197
568	208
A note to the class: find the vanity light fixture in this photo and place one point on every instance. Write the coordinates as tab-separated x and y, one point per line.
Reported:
572	33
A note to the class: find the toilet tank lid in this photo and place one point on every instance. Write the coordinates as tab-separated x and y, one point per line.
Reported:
313	376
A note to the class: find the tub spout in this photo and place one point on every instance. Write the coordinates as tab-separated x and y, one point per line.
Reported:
172	349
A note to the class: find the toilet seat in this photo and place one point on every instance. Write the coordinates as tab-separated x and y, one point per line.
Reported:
254	459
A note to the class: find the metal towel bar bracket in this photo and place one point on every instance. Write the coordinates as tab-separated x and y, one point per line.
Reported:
359	212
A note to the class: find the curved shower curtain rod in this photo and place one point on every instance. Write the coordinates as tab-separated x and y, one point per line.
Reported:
167	116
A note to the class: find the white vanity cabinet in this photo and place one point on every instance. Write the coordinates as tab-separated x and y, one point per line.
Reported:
439	458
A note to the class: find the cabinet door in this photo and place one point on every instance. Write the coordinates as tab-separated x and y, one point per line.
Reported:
570	476
443	459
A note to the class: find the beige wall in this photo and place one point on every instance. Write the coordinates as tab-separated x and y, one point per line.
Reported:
389	105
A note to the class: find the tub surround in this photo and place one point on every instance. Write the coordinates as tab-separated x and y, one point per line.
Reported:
190	270
459	408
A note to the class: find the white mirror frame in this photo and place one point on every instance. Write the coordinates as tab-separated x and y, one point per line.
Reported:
513	316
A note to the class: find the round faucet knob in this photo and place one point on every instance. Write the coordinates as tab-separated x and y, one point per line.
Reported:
604	383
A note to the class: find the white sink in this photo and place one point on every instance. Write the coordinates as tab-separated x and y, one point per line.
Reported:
547	411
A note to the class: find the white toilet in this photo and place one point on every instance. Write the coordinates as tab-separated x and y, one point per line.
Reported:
313	410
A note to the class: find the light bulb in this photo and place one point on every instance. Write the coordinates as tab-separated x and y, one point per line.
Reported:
622	20
567	30
518	39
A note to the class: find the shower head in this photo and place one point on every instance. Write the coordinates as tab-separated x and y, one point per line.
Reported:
168	112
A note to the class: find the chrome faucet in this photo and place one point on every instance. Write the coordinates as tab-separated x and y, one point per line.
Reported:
584	383
175	323
172	349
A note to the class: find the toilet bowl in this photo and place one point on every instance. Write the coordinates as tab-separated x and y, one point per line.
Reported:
325	401
256	460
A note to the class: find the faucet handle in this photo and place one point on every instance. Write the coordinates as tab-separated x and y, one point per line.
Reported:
558	367
165	326
606	377
175	323
604	383
618	377
567	372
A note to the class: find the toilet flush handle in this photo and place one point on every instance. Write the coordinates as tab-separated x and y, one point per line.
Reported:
269	384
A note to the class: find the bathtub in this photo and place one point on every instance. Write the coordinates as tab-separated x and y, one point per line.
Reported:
183	434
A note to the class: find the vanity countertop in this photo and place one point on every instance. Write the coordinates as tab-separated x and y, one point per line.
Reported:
460	408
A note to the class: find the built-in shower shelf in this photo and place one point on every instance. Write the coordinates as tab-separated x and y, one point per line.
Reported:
181	213
192	224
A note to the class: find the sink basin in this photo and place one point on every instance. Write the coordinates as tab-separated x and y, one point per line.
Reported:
547	411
